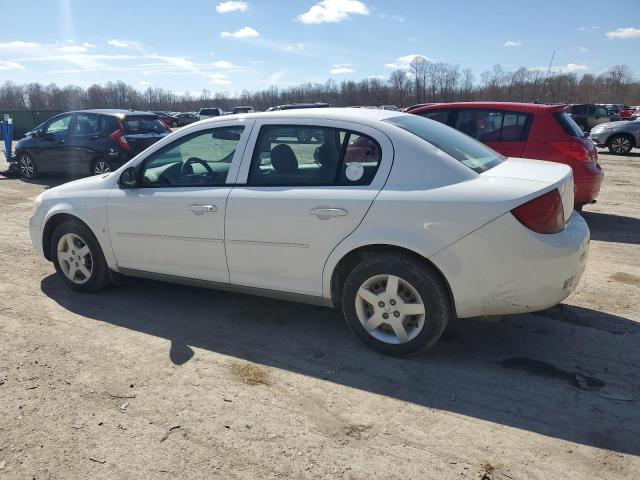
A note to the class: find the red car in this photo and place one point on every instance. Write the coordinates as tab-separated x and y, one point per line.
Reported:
626	112
527	130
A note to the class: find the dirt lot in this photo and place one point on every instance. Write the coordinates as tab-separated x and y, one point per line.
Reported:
151	380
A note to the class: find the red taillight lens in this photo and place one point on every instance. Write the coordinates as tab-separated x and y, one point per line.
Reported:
543	214
120	139
574	149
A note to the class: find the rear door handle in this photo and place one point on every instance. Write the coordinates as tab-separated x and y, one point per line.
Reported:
202	208
328	212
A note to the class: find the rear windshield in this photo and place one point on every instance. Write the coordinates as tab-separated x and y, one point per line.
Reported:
210	111
140	124
569	125
463	148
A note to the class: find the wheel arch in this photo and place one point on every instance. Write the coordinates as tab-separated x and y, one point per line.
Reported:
50	226
357	255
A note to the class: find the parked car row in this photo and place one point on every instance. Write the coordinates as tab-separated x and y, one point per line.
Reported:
399	236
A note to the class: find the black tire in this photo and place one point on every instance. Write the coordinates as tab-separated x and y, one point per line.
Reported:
100	166
99	278
620	144
174	124
27	166
434	295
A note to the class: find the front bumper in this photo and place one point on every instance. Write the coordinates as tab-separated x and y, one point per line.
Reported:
35	232
599	137
504	268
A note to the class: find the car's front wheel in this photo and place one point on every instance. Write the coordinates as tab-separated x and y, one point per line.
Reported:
396	305
27	166
620	144
78	258
100	166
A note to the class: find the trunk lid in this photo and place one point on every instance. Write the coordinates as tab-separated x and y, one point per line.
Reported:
549	174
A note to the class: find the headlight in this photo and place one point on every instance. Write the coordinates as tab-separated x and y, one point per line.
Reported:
36	203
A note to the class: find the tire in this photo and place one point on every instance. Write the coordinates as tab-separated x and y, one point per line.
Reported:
27	166
67	243
100	166
174	124
416	284
620	144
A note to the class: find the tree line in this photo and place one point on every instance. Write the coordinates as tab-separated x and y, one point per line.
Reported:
422	82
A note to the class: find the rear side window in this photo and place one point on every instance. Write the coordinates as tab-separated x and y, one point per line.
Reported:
466	150
493	125
441	116
138	124
86	124
210	111
301	155
569	125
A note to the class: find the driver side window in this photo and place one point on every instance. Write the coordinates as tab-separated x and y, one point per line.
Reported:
200	159
59	126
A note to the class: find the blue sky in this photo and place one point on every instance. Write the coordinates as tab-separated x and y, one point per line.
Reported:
189	45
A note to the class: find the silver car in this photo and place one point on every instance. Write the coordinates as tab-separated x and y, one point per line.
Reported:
618	137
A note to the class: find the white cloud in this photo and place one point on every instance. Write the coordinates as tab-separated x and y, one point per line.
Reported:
583	49
88	45
223	64
624	33
404	62
568	68
219	79
226	7
126	44
245	32
512	43
296	47
341	68
19	46
275	76
8	65
332	11
73	49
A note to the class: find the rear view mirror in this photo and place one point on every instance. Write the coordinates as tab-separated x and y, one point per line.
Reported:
128	178
226	135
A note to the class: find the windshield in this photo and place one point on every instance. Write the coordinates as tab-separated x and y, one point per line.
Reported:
463	148
139	124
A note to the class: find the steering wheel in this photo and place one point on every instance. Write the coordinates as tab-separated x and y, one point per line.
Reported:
186	168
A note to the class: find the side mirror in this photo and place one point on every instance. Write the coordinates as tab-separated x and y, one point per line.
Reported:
128	178
49	137
36	133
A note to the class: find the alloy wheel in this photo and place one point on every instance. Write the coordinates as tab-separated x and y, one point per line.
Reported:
621	145
101	166
390	309
26	166
74	258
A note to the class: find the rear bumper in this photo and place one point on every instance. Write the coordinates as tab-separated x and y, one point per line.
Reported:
504	268
588	179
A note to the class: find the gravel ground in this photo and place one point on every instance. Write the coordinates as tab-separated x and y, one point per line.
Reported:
152	380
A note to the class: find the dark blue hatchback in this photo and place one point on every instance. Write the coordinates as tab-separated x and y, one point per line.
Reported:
87	142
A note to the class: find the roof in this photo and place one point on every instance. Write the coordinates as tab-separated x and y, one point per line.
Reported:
114	111
515	106
346	114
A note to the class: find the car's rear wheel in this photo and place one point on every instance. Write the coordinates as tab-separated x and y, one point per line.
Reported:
78	258
395	305
100	166
620	144
27	166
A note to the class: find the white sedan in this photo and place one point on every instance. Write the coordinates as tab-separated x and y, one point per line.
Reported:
401	221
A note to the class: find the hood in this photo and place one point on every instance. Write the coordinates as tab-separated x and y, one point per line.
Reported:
618	124
97	183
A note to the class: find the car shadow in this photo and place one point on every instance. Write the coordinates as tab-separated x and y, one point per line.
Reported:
532	372
48	181
613	228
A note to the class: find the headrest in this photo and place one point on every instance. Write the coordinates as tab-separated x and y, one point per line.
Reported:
283	159
328	156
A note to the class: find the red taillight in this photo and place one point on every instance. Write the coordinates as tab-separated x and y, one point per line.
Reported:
120	139
543	214
574	149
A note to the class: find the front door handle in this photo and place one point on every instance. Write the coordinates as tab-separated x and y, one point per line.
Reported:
328	212
202	208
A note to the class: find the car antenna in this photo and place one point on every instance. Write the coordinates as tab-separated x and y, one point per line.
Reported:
544	84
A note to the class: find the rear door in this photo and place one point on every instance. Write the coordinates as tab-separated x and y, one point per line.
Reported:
82	142
306	187
504	131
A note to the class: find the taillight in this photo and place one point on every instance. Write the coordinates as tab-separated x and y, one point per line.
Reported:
574	149
120	139
543	214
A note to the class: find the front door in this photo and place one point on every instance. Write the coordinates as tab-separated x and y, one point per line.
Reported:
308	186
173	223
53	148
